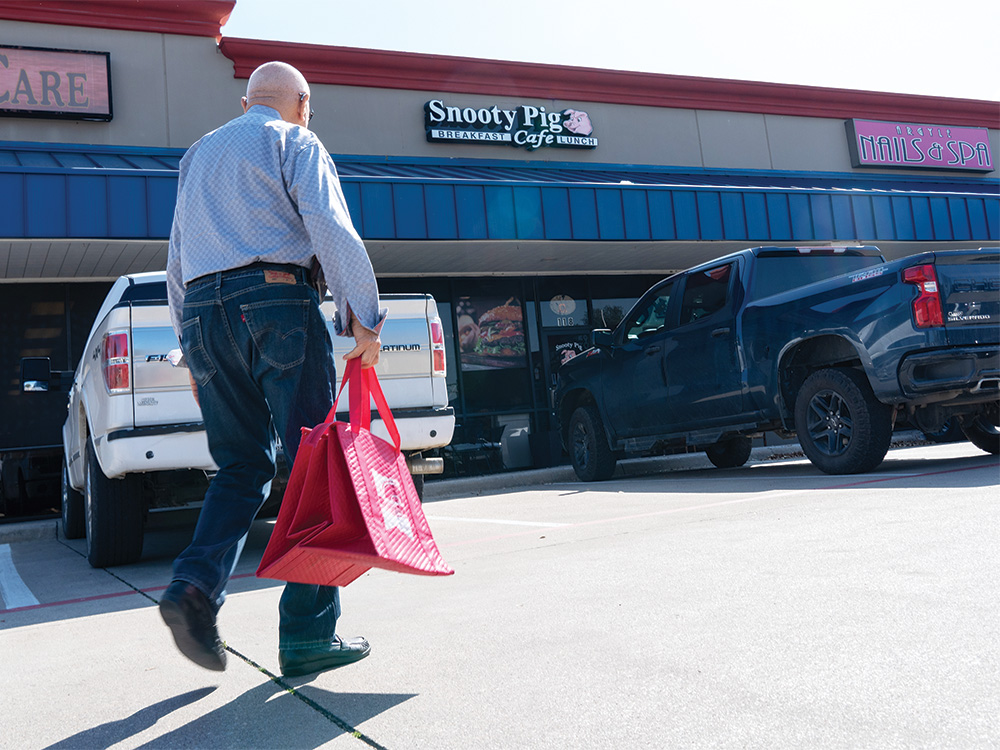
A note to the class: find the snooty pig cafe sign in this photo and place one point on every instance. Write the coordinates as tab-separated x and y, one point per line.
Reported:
526	126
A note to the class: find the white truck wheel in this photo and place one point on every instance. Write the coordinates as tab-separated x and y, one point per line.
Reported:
114	515
73	523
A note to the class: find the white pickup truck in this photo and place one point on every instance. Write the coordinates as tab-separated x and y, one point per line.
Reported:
134	439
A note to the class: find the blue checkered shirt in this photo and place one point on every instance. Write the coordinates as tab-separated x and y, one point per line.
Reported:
262	189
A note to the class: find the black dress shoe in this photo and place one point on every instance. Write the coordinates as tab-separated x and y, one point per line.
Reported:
191	619
339	653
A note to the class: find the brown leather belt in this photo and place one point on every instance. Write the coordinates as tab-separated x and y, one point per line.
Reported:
301	273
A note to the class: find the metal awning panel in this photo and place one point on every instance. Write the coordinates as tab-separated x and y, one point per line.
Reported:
77	192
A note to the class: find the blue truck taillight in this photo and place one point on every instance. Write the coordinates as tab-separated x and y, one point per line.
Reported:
927	305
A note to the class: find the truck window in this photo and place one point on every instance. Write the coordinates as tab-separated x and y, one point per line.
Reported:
705	293
650	316
774	274
146	293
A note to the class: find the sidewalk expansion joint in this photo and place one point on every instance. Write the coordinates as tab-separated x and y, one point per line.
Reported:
325	713
330	716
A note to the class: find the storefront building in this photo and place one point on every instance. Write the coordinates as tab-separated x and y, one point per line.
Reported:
535	202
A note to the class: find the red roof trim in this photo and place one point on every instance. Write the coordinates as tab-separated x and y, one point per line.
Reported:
349	66
189	17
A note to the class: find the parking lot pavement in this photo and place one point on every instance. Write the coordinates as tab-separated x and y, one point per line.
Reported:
769	606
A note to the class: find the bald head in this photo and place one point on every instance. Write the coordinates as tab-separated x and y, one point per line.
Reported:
280	86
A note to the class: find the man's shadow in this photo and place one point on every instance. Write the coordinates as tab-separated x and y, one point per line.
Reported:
266	716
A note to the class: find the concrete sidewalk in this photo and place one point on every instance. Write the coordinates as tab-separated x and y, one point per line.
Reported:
764	607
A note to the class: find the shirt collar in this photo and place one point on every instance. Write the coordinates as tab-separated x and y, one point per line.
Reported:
264	110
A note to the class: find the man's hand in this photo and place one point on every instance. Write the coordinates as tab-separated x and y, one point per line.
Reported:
368	345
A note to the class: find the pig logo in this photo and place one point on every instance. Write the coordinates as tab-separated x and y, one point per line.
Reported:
577	122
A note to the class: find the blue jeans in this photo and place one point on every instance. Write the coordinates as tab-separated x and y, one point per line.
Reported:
260	353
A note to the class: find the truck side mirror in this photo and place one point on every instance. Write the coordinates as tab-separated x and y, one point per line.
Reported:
602	337
36	374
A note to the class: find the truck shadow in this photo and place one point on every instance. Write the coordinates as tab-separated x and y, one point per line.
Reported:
798	474
694	473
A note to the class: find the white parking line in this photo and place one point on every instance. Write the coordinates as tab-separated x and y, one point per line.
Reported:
12	589
497	520
719	479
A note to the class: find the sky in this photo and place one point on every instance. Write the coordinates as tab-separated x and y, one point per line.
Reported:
916	47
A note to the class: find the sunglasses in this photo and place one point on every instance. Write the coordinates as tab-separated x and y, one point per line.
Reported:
312	112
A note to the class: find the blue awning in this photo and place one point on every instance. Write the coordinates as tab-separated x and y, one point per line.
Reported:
63	191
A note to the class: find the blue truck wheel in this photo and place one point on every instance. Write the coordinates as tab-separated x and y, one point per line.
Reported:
731	453
588	445
983	430
842	427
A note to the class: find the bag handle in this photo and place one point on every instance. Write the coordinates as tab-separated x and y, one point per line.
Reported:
354	397
364	388
359	396
374	388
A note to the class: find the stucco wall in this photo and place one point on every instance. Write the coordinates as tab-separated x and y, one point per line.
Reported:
157	81
391	122
168	90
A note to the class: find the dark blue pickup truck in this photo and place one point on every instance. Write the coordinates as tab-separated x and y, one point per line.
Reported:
832	344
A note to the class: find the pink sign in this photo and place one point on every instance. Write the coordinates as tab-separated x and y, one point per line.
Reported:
918	145
55	83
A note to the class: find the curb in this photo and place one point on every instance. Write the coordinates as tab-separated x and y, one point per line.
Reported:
630	467
444	489
28	531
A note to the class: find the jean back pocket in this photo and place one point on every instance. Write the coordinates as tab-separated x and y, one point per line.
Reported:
193	345
279	329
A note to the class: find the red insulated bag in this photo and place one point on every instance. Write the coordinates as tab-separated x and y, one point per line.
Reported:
350	503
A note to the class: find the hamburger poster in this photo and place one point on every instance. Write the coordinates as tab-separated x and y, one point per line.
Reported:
490	333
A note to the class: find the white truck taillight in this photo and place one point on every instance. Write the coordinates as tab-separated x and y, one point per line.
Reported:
927	305
116	362
438	366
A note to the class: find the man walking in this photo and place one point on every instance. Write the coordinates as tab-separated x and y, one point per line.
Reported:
260	221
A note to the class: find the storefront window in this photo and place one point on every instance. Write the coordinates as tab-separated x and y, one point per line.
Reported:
496	390
563	348
531	326
608	313
563	311
491	332
562	302
444	311
489	320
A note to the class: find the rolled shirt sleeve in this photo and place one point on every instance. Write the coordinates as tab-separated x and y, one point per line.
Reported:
314	186
175	278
